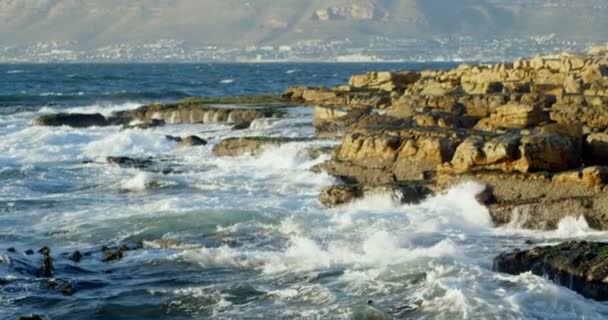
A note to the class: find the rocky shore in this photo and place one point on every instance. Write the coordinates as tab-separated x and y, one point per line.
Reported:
533	132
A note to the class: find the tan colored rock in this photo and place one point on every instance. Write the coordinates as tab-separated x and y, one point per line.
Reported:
595	176
548	153
512	116
572	86
475	153
594	73
323	114
482	87
324	96
386	81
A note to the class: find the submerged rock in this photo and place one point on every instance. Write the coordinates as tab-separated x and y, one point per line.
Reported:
46	270
114	254
580	266
31	317
192	141
76	256
127	162
65	287
76	120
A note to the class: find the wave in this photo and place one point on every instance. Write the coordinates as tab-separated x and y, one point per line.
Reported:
144	181
227	81
68	99
16	71
105	109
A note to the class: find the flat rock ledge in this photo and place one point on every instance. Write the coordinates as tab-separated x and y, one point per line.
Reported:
188	111
580	266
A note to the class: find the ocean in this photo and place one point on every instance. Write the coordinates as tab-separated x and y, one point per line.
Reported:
234	238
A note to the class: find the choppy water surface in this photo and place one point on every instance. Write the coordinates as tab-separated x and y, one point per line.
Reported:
241	238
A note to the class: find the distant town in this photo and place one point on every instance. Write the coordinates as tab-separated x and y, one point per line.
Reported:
379	49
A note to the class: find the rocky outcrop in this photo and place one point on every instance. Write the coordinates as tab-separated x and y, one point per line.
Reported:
76	120
234	147
191	141
538	200
188	112
532	131
342	194
385	157
580	266
386	81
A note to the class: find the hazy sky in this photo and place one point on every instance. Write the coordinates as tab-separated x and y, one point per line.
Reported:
246	22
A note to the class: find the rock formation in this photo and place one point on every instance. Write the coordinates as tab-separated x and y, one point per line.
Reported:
534	131
580	266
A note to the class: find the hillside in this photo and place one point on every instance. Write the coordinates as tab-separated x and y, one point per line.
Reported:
240	22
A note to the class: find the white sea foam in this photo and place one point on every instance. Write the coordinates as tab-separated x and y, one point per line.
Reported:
128	142
292	71
104	109
15	71
143	181
227	81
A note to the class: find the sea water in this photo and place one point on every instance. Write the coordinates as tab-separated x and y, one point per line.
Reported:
235	238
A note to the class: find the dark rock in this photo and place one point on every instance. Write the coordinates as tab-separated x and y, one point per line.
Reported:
192	141
241	125
12	250
581	266
111	255
3	282
118	253
46	269
343	194
45	251
76	120
29	252
32	317
127	162
65	287
173	138
76	256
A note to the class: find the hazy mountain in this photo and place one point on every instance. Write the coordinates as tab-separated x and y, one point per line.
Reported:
96	23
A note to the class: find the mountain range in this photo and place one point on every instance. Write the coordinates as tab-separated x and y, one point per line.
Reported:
242	23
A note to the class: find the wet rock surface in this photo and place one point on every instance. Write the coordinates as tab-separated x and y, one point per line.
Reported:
580	266
196	110
76	120
233	147
343	194
192	141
